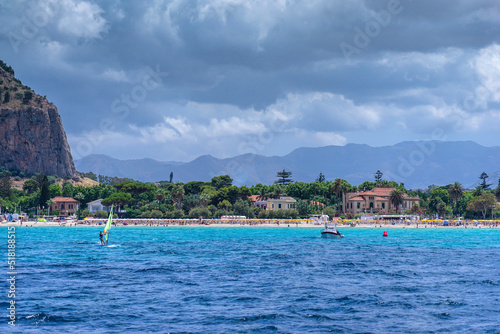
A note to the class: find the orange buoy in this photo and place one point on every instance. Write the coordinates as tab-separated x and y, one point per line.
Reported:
385	234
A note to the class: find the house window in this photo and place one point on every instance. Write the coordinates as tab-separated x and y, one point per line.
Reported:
351	205
62	206
371	198
371	205
383	205
279	206
358	205
70	206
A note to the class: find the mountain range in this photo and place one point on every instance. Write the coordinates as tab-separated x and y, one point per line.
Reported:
416	164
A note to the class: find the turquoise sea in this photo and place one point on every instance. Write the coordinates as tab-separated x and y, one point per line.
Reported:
253	280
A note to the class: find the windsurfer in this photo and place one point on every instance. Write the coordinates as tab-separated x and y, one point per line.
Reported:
101	235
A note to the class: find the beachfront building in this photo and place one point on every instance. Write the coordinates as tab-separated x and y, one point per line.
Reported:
66	206
97	205
376	200
258	201
284	202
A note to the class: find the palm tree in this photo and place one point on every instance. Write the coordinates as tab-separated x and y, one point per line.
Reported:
159	195
205	199
344	189
337	188
456	192
177	194
50	203
396	198
263	195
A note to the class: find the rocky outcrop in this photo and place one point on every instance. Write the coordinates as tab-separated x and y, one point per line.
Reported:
32	137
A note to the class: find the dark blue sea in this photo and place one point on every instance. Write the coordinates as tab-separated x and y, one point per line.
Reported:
253	280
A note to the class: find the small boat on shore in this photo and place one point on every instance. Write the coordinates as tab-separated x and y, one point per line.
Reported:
331	231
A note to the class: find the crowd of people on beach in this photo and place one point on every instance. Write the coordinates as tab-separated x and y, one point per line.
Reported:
266	222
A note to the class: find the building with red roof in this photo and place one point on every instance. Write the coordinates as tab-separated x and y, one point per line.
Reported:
66	206
376	200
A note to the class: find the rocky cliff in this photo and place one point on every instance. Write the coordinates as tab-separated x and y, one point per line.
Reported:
32	137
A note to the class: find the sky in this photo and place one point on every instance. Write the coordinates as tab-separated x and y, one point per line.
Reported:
174	80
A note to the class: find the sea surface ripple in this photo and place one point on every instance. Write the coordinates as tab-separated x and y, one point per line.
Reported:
254	280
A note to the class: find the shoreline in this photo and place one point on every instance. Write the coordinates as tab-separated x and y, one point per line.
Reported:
250	225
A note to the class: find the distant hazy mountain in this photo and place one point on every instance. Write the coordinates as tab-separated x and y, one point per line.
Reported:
416	164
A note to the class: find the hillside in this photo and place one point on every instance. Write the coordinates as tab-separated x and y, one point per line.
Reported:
416	164
32	137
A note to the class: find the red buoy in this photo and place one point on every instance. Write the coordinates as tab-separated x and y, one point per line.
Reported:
385	234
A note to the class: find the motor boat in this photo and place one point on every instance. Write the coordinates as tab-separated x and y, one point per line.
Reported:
330	231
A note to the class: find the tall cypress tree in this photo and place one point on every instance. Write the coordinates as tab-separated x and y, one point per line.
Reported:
5	185
43	185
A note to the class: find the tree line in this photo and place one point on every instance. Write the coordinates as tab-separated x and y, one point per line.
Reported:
166	199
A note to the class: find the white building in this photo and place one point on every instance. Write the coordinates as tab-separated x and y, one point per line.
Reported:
97	205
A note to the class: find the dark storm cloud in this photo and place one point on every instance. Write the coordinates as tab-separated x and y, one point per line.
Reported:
408	65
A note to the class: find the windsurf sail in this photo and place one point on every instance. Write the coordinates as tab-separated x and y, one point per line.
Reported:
108	225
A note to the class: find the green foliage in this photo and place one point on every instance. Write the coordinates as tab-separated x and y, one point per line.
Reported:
89	175
30	186
242	208
321	177
54	190
367	185
279	214
483	178
174	214
101	214
195	187
117	199
284	177
221	212
28	95
43	185
200	212
5	184
86	213
154	214
482	204
331	212
438	200
68	190
396	198
222	181
6	68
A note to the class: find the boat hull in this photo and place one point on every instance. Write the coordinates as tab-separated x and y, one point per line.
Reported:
331	235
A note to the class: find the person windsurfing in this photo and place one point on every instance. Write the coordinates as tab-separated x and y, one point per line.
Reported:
101	235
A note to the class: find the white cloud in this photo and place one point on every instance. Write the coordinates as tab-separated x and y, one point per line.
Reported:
326	111
430	60
81	19
487	67
115	75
